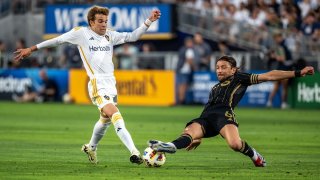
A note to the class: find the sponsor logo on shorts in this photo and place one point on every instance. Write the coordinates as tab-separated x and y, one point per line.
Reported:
229	116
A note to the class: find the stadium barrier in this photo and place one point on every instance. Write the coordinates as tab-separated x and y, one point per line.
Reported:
123	18
139	87
156	87
15	81
305	92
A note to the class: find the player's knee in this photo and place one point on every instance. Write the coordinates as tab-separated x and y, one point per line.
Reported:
104	120
105	114
194	130
188	132
109	110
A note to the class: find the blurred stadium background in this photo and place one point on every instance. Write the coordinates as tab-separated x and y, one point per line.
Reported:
146	70
42	141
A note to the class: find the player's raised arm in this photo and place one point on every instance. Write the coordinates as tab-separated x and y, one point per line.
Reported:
276	75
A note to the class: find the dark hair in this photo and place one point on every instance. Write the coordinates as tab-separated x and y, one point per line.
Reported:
229	59
96	10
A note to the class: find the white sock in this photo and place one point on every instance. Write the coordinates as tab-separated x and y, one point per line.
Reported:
123	133
99	130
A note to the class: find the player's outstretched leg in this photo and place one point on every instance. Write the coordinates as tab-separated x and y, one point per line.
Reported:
162	147
231	134
171	147
125	137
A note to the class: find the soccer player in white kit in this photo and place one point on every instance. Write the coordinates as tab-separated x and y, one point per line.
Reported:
95	44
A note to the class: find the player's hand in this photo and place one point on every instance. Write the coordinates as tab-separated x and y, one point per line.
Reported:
195	143
22	53
309	70
155	15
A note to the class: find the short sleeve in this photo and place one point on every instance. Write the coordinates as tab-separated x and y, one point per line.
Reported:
247	78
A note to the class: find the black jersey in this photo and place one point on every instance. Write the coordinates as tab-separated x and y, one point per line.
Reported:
228	93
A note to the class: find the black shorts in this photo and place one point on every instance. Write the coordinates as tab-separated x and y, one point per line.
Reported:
213	123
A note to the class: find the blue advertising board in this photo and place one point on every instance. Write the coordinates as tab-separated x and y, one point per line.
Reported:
122	18
255	96
15	81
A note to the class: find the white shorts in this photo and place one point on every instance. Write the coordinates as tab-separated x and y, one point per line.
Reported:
103	91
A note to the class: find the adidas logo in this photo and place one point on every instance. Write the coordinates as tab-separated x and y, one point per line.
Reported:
91	38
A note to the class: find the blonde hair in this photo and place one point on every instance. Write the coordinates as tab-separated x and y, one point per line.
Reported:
96	10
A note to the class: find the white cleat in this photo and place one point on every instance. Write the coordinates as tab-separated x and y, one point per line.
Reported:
92	154
260	161
153	144
160	146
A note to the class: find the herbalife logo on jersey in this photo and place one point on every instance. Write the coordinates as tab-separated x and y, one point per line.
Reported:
99	48
308	94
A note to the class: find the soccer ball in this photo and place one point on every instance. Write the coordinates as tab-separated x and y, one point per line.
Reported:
152	158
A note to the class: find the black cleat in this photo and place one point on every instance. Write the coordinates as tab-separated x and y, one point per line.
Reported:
136	159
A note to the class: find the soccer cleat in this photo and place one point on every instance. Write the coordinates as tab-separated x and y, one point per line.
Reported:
136	158
260	161
152	143
92	154
160	146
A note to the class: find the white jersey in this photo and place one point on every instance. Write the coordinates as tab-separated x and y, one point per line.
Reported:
96	53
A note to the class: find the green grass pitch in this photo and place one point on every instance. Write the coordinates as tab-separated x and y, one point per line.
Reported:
43	141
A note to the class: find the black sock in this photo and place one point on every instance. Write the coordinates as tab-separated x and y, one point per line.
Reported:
183	141
246	149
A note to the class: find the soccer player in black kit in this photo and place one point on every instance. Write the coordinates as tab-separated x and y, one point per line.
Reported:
218	116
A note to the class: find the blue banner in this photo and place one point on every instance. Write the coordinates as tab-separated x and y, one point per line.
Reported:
255	96
16	81
123	18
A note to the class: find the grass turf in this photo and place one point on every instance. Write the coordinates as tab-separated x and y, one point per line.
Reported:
43	141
